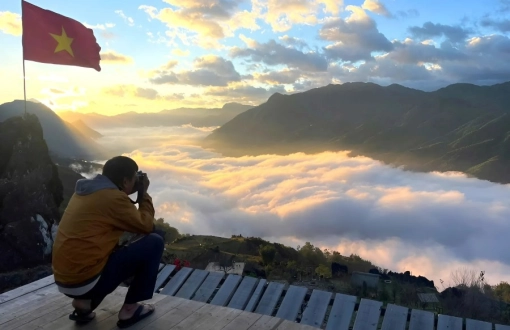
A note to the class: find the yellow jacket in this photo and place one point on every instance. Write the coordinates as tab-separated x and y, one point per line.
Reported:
95	218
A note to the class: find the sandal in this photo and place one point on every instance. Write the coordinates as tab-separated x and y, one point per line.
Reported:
82	316
137	316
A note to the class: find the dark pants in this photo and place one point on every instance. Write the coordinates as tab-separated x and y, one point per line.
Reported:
139	260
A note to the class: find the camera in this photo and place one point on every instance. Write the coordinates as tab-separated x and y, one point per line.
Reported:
140	175
139	187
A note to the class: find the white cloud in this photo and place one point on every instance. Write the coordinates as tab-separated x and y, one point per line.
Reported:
99	26
10	23
209	70
377	7
274	53
428	223
129	20
356	37
203	23
283	15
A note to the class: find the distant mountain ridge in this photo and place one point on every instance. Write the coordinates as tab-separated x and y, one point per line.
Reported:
63	139
200	117
85	130
461	127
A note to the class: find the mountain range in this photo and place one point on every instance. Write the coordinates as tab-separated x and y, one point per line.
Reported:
461	127
199	117
69	134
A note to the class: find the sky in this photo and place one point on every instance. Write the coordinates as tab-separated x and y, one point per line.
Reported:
160	55
432	224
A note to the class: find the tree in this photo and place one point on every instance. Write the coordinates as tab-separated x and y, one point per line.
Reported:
384	295
171	233
267	252
323	271
335	257
469	296
502	291
311	255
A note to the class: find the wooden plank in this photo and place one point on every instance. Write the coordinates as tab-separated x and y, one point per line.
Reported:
25	289
221	317
255	297
266	322
208	317
288	325
207	288
108	321
477	325
316	308
421	320
39	323
368	315
291	304
162	308
27	303
176	281
243	321
108	308
446	322
176	315
226	291
270	298
59	318
341	313
37	313
243	292
192	284
163	275
46	291
502	327
395	318
194	319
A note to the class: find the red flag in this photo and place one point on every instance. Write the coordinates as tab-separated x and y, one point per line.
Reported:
49	37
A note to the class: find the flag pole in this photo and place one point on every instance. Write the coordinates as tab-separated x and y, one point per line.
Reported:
24	88
23	56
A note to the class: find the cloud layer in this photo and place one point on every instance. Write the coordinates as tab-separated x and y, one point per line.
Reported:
429	223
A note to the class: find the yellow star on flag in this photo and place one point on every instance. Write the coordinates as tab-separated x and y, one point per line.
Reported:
64	42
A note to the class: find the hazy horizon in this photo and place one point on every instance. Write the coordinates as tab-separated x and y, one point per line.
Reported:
427	223
153	58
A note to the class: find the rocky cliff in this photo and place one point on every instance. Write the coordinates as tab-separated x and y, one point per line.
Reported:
30	195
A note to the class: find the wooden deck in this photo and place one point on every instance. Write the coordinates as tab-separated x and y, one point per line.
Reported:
46	308
197	299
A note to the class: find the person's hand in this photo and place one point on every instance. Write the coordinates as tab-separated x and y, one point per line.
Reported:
146	183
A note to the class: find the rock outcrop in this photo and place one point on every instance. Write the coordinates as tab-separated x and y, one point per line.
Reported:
30	195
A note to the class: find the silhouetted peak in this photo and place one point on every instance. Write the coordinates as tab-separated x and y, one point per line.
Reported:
231	105
276	97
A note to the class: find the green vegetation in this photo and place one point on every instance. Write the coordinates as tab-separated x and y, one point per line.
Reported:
171	233
267	253
309	266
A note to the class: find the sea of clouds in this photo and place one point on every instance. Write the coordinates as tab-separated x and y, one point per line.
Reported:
428	223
